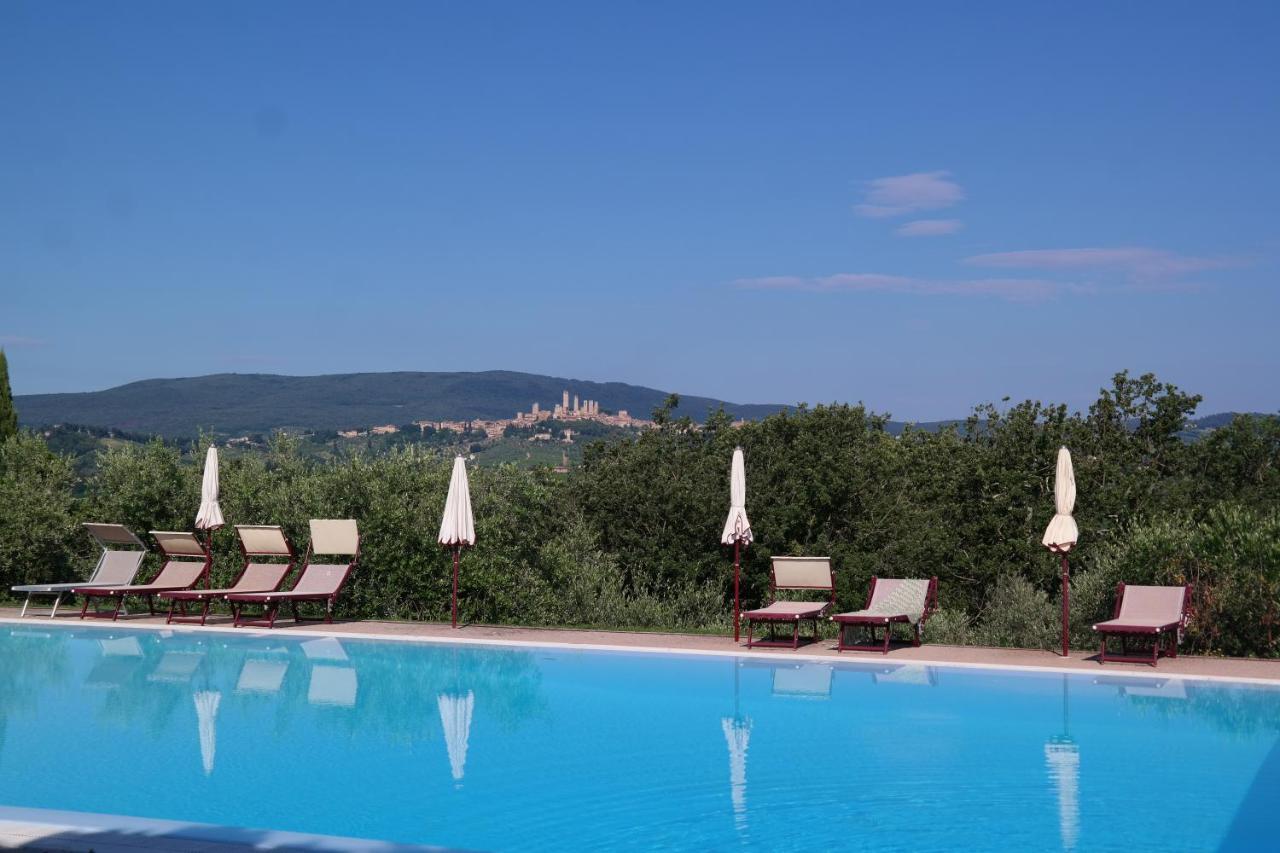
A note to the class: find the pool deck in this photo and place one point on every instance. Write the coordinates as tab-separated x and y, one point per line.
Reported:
1188	666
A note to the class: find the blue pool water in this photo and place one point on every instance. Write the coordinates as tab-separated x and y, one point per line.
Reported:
503	748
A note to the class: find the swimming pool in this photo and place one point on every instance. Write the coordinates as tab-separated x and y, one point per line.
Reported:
554	749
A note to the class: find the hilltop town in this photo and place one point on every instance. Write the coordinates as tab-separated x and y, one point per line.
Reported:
570	408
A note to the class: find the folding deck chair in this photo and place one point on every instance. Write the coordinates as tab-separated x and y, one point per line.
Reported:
793	573
121	557
187	559
1150	613
319	582
889	601
256	540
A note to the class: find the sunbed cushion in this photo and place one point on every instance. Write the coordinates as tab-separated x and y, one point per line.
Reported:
893	598
319	580
176	574
789	610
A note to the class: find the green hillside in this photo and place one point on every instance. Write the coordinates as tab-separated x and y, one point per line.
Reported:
235	404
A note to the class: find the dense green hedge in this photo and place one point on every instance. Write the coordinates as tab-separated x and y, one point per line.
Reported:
630	539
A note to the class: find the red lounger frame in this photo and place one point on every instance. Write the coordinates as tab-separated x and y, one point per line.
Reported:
844	620
1169	631
186	561
266	541
793	573
328	536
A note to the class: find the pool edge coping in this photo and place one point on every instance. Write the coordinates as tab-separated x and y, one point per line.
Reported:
800	656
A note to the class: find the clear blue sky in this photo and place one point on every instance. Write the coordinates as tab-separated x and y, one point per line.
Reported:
918	205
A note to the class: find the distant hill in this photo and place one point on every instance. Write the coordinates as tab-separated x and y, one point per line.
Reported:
235	403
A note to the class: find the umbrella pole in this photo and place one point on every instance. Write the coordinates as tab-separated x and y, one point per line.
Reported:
208	544
737	543
1066	603
456	551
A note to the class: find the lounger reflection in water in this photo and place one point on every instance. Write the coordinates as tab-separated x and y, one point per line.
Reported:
119	659
176	667
804	681
332	682
319	582
118	564
187	560
261	675
259	544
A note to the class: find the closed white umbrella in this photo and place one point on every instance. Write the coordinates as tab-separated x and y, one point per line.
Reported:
1061	534
209	518
458	525
210	515
455	718
207	702
737	529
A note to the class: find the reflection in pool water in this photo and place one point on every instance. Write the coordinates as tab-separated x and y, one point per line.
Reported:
497	748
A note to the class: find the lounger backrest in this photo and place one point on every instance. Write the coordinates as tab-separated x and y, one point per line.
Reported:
118	567
113	534
900	597
1164	603
322	578
185	558
263	540
257	577
335	536
179	544
802	573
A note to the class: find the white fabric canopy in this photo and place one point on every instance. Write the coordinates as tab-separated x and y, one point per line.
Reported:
736	527
210	515
1062	531
455	718
458	526
207	702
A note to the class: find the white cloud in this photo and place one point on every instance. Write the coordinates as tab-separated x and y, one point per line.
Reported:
1139	264
903	194
929	228
19	341
1012	289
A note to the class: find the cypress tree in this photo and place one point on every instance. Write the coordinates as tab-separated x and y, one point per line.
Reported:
8	414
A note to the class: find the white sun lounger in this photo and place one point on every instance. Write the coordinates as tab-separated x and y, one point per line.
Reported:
121	557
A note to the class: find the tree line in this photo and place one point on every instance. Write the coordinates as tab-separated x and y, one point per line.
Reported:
630	539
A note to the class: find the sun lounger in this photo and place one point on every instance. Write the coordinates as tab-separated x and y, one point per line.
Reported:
1150	613
793	573
890	601
121	556
187	559
256	540
319	582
